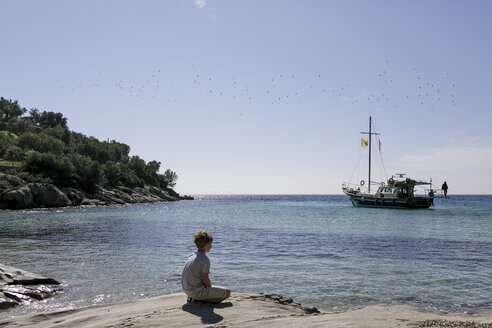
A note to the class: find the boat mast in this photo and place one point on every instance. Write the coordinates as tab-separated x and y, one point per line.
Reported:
370	133
370	143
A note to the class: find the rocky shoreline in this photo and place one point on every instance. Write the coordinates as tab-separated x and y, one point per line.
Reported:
18	286
242	310
15	194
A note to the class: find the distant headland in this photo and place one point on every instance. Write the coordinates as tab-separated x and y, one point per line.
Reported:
45	164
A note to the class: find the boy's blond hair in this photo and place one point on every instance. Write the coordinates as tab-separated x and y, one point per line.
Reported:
202	238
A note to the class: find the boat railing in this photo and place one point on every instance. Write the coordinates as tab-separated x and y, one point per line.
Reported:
353	187
438	193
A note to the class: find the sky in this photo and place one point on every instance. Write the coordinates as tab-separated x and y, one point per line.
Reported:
265	97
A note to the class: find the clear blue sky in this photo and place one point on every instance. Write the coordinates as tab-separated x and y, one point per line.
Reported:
264	96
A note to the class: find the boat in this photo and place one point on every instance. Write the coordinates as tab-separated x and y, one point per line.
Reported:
398	192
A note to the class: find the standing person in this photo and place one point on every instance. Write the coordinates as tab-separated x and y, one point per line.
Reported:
444	188
194	278
431	195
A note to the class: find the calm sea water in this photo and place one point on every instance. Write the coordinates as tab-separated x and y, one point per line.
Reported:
318	249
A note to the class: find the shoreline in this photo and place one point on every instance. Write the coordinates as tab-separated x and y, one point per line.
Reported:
243	310
83	207
36	196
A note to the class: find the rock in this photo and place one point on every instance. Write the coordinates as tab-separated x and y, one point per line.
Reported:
35	195
108	197
19	298
6	303
285	301
48	195
74	195
18	198
92	202
163	195
8	181
123	194
38	293
14	276
18	286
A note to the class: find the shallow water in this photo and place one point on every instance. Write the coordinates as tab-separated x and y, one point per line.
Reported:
318	249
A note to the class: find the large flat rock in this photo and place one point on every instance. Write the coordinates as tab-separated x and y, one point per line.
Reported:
241	310
19	286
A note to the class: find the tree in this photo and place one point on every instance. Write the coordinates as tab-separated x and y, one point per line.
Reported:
57	168
7	139
48	119
153	166
112	173
40	142
52	153
14	153
20	125
10	109
170	177
129	178
88	173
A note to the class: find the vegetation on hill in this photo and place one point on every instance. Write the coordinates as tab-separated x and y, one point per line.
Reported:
39	147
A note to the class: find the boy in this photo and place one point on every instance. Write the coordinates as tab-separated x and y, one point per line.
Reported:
194	279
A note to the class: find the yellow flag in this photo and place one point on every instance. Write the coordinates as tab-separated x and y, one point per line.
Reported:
363	142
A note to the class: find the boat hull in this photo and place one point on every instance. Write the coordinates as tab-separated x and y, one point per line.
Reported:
368	200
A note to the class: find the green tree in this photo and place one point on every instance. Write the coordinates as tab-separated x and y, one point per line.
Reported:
112	173
10	109
153	166
20	125
14	153
40	142
129	178
7	139
170	177
57	168
48	119
88	173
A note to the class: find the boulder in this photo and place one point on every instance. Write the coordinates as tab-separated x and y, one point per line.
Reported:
8	181
47	195
108	196
162	194
18	286
6	303
14	276
74	195
18	198
122	194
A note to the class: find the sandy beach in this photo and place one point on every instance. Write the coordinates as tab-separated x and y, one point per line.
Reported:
242	310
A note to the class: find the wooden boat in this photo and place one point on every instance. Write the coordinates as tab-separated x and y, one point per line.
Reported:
398	192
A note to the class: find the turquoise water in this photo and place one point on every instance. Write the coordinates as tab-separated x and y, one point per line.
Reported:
318	249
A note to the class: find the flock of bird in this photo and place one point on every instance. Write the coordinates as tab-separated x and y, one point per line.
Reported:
283	88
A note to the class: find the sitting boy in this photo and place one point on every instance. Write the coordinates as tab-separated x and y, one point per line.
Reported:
194	279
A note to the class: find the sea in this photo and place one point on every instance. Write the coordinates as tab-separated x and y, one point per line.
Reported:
317	249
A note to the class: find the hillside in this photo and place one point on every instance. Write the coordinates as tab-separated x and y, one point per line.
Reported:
45	164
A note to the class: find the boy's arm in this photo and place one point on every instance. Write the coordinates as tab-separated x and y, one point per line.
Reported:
206	280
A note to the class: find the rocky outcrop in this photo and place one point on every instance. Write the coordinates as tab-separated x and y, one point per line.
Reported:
17	198
36	195
18	286
8	181
47	195
74	195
